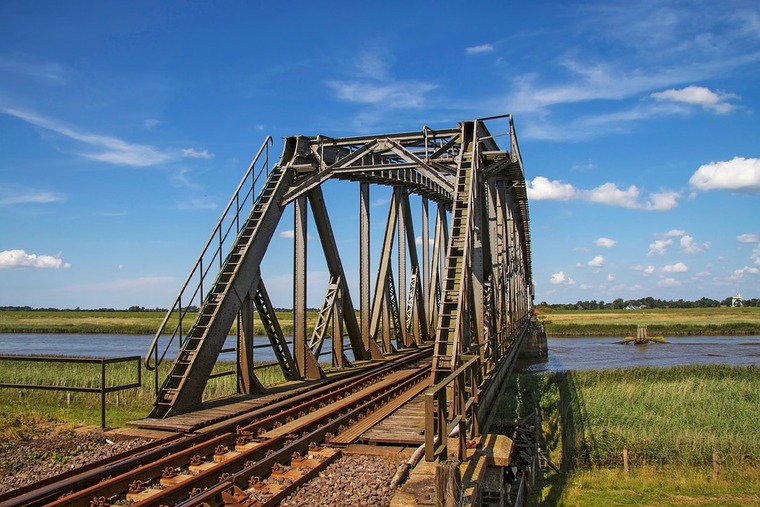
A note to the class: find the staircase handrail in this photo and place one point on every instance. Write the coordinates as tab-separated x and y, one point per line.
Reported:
198	269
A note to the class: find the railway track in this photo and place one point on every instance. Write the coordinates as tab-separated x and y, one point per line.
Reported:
252	460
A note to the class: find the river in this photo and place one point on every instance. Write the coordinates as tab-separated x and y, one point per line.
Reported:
564	353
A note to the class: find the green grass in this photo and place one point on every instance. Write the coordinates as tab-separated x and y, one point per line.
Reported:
84	408
671	420
665	322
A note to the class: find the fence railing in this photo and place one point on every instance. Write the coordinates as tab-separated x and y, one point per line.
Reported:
103	388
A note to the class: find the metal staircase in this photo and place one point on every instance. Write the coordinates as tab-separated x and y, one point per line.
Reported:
220	301
454	290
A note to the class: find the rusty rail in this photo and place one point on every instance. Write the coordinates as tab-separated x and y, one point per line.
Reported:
103	388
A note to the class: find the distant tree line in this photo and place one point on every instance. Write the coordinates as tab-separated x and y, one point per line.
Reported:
648	302
77	309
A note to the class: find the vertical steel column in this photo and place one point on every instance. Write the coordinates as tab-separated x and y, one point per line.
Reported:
306	364
425	310
406	215
246	379
364	259
401	288
476	244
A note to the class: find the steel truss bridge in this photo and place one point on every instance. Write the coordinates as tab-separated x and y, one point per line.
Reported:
465	290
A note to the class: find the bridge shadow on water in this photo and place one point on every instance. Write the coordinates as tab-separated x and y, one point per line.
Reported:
565	435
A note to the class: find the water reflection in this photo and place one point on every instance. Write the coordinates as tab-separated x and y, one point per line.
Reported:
608	352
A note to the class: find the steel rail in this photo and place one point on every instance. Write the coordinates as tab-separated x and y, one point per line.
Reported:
112	477
317	431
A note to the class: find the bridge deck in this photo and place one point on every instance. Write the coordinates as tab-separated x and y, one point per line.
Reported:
406	426
218	410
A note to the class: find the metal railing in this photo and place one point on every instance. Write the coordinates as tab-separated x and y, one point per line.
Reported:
452	403
103	388
210	261
456	400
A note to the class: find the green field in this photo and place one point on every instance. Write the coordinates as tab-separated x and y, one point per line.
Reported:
84	408
670	420
660	322
111	322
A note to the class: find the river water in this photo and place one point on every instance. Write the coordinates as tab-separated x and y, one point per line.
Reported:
564	353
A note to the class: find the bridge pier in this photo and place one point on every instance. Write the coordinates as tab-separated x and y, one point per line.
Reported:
535	346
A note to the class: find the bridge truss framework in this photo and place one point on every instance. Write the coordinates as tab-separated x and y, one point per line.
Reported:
469	293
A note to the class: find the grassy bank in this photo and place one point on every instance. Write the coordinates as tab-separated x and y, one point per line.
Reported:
670	420
84	408
664	322
107	322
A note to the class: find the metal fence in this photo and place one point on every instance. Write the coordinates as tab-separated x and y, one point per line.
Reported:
103	388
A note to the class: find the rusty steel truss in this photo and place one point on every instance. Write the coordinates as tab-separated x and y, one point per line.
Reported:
466	288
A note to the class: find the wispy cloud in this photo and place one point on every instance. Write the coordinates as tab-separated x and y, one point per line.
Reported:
195	203
11	197
373	85
395	94
482	48
193	153
111	150
50	72
21	259
541	188
596	262
748	238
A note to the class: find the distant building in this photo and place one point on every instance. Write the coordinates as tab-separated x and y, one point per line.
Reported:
737	301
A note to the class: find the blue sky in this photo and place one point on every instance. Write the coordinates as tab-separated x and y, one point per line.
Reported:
125	126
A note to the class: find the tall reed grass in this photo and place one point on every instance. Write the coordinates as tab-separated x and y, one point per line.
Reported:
671	416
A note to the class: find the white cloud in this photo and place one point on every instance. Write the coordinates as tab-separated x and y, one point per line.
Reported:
289	234
748	238
610	278
596	262
649	270
699	96
678	267
672	233
112	150
659	247
541	188
689	246
193	153
746	270
21	259
561	279
605	242
483	48
739	174
668	282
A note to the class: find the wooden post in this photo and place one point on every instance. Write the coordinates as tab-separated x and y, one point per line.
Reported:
448	484
625	461
716	466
